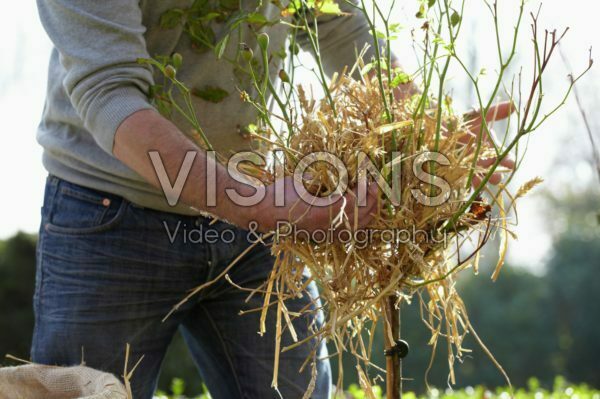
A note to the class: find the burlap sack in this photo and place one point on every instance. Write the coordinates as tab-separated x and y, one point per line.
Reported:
34	381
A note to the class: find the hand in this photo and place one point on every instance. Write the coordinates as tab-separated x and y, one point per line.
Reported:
495	113
318	213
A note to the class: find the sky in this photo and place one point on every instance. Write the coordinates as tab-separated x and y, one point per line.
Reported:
559	151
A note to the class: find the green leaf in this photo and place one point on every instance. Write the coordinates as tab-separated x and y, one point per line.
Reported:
380	34
430	3
396	27
421	13
200	6
210	16
239	18
329	7
400	79
438	40
294	6
202	36
252	128
367	68
211	94
257	18
455	18
221	46
171	18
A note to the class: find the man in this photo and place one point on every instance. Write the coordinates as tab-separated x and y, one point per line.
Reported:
113	255
108	271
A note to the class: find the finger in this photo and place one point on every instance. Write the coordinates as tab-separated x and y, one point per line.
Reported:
508	163
333	200
473	132
315	212
487	162
322	211
495	179
495	113
467	137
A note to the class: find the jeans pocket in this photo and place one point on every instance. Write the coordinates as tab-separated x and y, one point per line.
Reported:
81	210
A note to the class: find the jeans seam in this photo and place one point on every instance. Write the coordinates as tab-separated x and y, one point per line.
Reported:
54	182
225	349
52	202
211	262
39	275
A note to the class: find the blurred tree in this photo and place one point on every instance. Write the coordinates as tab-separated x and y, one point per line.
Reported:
573	278
513	319
17	275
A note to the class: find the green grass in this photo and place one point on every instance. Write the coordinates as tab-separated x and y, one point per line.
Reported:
561	390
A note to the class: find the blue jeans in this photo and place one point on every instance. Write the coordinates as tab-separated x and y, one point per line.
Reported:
108	271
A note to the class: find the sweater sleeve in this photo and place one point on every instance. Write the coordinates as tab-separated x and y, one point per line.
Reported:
98	43
341	38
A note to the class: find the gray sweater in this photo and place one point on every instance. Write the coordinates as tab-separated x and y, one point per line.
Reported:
94	82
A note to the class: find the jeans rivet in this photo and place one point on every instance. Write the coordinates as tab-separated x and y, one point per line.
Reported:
106	202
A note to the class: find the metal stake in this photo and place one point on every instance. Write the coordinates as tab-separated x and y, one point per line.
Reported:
394	350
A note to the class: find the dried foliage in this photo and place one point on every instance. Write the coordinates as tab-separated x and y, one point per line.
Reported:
357	275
